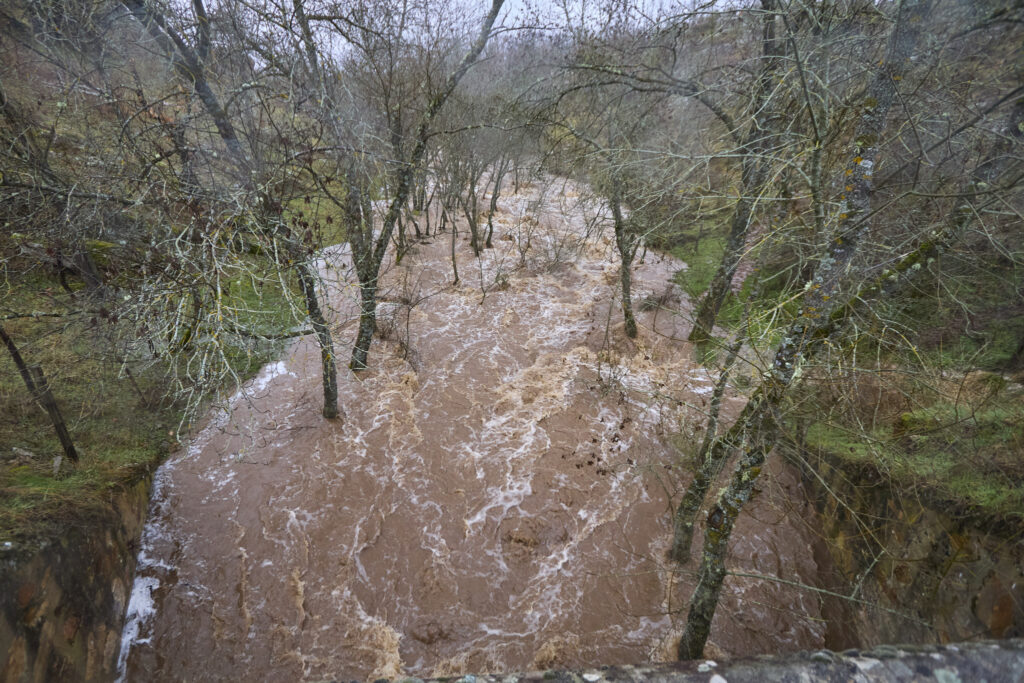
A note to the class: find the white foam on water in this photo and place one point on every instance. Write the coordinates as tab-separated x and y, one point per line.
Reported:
141	608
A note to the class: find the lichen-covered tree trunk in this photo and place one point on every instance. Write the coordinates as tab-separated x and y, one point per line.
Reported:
720	521
367	325
817	321
710	458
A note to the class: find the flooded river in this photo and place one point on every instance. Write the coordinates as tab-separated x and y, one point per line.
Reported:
495	496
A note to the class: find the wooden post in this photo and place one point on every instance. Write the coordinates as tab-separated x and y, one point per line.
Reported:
35	380
45	398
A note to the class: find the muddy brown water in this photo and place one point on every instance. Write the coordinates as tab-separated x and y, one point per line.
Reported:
494	498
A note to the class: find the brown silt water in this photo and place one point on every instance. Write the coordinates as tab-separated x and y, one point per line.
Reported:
494	498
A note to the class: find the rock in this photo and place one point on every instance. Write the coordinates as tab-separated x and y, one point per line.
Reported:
70	629
25	594
17	661
18	457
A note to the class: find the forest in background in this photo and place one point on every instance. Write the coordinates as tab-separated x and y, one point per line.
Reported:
843	179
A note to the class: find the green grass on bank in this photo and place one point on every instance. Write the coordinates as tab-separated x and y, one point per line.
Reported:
701	249
970	458
702	256
965	452
324	218
121	426
119	431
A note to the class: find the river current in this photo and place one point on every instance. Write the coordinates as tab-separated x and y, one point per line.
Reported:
496	496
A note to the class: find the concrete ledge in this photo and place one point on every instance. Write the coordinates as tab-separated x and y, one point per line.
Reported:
993	661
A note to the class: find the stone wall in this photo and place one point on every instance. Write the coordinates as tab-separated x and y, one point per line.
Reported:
63	603
992	662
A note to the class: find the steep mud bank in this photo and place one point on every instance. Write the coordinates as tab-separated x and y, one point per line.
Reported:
494	498
64	603
922	572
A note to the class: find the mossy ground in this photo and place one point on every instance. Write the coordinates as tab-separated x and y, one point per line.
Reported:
325	218
962	316
966	455
701	250
119	434
122	425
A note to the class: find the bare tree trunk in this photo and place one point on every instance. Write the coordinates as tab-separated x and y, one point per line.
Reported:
359	220
367	324
455	264
323	334
419	195
415	224
499	174
373	258
401	244
35	381
191	68
754	169
713	299
469	210
626	244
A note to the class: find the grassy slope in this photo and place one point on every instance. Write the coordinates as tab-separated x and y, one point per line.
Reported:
955	455
121	428
960	450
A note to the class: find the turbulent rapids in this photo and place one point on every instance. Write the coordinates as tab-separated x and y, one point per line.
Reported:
495	497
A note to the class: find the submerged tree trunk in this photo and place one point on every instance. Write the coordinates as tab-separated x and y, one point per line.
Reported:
367	324
626	243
